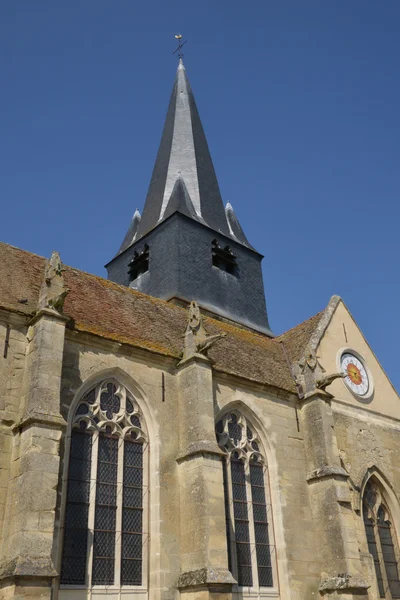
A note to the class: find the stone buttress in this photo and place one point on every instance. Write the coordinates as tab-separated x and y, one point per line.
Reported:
204	558
28	554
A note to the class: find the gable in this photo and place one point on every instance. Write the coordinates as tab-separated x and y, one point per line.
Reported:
342	333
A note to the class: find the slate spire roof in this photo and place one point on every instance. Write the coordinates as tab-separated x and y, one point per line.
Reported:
184	178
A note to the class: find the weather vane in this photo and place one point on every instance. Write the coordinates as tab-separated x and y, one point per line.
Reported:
178	50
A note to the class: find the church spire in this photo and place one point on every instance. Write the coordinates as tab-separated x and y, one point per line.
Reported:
184	155
186	246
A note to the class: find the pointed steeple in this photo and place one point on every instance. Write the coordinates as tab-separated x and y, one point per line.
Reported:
187	246
234	225
184	154
131	234
180	201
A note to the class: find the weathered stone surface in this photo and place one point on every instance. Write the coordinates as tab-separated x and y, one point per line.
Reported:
31	566
205	576
317	464
343	581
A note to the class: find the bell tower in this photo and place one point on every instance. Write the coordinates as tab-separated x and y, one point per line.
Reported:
186	245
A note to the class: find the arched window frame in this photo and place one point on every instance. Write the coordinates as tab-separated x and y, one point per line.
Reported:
376	517
244	451
127	423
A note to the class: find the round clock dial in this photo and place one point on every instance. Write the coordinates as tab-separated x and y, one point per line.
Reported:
357	377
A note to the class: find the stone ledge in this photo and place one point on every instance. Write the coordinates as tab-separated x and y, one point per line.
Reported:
343	581
198	448
28	566
315	394
327	471
206	577
184	362
54	420
50	314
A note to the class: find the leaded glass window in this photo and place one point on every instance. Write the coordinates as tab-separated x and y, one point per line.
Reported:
251	551
381	540
105	525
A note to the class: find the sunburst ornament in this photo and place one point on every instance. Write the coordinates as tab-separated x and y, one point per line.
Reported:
356	379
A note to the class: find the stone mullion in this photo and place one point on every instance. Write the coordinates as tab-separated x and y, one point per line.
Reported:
118	523
146	516
92	510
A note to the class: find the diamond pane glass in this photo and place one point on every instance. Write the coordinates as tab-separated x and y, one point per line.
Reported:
131	572
372	547
227	515
263	551
234	429
369	495
109	402
73	567
135	420
90	397
389	555
132	514
103	571
105	511
242	535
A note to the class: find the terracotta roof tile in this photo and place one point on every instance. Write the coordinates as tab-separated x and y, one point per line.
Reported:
103	308
21	275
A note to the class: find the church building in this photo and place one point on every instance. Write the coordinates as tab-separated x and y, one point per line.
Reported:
160	442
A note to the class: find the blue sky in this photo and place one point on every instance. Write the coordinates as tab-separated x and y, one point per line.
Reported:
300	103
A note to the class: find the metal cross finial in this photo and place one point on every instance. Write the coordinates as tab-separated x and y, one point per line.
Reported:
178	38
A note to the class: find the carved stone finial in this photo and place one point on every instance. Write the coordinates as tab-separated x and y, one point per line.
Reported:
309	374
306	372
54	290
197	342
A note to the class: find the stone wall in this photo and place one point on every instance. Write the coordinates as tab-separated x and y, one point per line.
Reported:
180	407
276	420
12	364
369	445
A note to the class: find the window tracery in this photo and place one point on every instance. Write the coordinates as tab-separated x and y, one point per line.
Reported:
105	539
247	504
381	539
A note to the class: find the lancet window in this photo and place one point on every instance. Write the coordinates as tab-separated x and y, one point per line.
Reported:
382	542
105	524
251	551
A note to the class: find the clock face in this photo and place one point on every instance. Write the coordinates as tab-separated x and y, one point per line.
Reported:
357	378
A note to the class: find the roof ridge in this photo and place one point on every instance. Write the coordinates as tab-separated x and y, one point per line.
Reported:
319	313
22	250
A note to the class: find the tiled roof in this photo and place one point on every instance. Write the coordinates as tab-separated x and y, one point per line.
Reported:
106	309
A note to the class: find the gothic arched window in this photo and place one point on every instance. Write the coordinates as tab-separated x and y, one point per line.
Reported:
382	543
105	524
247	504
